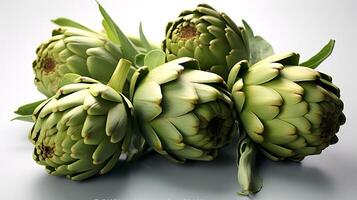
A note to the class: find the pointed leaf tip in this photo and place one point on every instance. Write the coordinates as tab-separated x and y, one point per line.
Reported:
117	36
62	21
145	42
25	118
28	109
322	55
249	30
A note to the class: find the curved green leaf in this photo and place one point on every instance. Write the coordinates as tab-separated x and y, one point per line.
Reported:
144	41
322	55
28	109
62	21
25	118
117	36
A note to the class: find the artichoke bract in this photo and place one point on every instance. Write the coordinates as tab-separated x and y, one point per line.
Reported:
208	36
74	50
290	111
183	113
80	131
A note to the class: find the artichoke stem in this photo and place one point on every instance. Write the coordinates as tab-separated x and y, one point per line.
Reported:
117	81
248	176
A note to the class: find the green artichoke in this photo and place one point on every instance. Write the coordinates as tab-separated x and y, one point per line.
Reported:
74	50
81	130
289	111
183	113
208	36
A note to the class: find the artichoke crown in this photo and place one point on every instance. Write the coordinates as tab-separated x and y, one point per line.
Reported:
79	132
184	113
208	36
291	111
73	50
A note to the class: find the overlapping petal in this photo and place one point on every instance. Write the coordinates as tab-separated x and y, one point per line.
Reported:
184	113
291	111
208	36
79	132
73	50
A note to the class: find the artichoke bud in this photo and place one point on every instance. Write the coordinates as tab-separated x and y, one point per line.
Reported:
72	50
289	111
208	36
183	113
80	131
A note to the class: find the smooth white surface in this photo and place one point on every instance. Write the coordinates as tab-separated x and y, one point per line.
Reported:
302	25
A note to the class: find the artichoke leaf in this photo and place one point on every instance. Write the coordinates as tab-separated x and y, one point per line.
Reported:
259	48
24	112
28	109
117	36
322	55
69	78
25	118
62	21
144	41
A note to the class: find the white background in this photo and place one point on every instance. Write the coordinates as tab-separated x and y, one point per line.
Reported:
301	25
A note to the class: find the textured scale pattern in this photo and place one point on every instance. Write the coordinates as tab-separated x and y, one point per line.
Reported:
208	36
72	50
184	113
79	132
291	111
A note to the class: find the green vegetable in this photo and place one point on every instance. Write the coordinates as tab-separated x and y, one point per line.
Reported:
208	36
77	49
73	50
291	111
183	113
82	130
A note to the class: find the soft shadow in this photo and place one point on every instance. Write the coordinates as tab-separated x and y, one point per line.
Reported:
293	178
108	186
193	176
217	176
156	175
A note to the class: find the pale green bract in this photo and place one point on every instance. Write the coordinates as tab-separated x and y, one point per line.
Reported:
208	36
73	50
82	130
289	111
183	113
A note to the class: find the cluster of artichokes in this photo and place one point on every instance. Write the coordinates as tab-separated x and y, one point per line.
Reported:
113	98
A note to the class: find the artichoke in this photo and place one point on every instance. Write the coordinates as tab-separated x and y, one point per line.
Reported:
74	50
289	111
81	130
183	113
208	36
